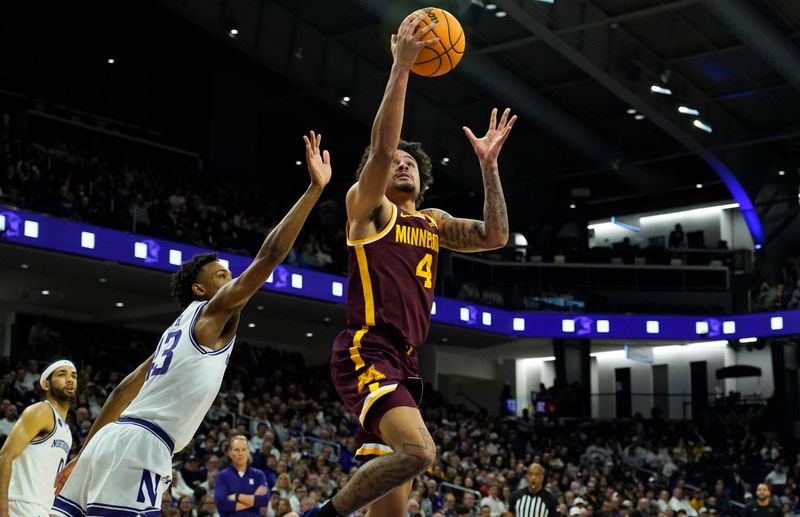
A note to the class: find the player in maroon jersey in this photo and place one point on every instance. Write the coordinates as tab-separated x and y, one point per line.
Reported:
393	249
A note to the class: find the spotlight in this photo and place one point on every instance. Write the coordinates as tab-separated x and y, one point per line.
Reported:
699	185
688	111
500	14
445	160
345	100
781	173
699	124
660	89
490	7
111	61
639	117
233	33
631	111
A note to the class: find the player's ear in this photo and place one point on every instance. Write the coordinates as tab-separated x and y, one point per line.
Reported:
198	290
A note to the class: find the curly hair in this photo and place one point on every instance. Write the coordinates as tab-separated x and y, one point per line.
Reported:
423	164
181	285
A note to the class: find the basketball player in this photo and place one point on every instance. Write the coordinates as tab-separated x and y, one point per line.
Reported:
38	445
393	250
126	462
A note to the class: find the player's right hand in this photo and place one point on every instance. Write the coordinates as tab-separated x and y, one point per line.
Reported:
407	43
62	476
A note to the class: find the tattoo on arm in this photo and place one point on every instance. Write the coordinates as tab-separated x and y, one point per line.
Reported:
472	235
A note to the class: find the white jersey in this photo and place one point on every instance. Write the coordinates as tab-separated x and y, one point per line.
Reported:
182	381
33	472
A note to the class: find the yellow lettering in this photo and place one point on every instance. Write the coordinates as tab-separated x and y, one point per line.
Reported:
401	233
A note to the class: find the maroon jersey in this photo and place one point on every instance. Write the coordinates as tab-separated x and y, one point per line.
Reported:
391	276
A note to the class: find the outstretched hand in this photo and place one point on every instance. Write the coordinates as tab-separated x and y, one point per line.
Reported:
488	147
408	41
319	164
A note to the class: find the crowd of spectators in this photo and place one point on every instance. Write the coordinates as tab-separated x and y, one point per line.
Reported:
84	177
301	438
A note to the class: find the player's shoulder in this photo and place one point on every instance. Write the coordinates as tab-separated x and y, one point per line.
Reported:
38	410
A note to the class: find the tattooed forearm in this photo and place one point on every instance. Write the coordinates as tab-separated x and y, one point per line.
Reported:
469	234
495	216
380	475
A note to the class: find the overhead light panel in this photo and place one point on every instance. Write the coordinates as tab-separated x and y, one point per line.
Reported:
699	124
500	14
491	7
686	110
631	111
660	90
233	33
639	117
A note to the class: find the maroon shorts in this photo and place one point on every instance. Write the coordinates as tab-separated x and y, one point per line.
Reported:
373	372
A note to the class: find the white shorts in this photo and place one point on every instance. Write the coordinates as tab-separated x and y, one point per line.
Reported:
26	509
122	473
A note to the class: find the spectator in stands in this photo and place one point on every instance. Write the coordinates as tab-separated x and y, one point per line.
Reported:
679	502
469	291
794	298
468	501
677	239
208	505
763	506
241	490
8	421
185	507
493	501
776	479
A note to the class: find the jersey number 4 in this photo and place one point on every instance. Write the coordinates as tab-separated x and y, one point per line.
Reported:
424	270
163	356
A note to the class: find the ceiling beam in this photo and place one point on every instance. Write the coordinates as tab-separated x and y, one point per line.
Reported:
642	13
533	25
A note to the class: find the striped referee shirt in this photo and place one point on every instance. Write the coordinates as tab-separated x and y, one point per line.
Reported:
526	504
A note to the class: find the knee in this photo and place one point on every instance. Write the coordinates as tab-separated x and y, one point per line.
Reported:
417	458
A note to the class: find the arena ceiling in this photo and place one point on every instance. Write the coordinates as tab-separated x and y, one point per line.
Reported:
572	70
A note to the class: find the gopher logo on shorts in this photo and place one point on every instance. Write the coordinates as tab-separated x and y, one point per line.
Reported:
371	375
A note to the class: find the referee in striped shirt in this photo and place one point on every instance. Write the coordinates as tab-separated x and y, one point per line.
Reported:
533	500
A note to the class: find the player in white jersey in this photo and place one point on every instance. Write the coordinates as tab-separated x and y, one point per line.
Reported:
38	446
123	468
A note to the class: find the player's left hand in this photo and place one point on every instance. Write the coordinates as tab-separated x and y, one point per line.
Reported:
63	475
319	164
488	147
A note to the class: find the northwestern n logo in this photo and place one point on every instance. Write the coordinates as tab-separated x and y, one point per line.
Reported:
148	486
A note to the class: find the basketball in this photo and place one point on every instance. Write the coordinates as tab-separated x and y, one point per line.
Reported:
442	57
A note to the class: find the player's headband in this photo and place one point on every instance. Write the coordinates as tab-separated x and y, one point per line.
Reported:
55	366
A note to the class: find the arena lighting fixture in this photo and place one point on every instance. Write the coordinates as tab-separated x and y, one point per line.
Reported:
699	124
445	160
758	246
31	229
45	292
102	280
24	266
111	61
660	90
639	117
748	340
233	33
546	1
608	353
686	110
87	240
699	185
119	304
175	257
298	163
297	280
251	325
309	334
631	111
500	14
781	173
491	7
709	344
345	100
572	205
688	213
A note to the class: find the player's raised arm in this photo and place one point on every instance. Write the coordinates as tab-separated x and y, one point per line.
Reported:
35	421
115	404
491	233
368	193
235	294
